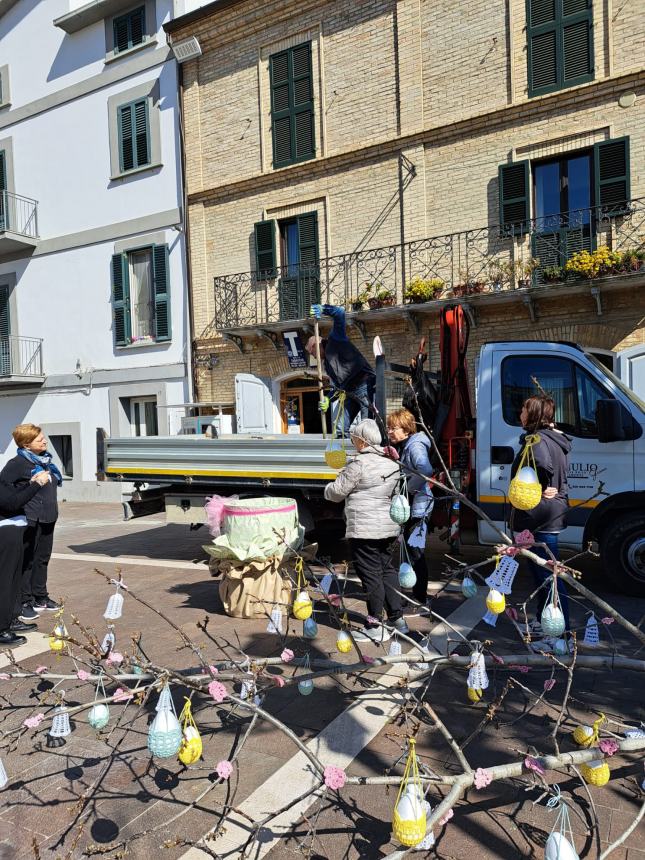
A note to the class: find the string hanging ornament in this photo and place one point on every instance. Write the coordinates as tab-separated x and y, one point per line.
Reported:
191	747
468	587
61	726
587	736
560	845
501	579
592	635
525	490
428	840
335	454
302	605
109	641
309	628
99	713
407	575
400	506
409	819
59	635
165	734
552	618
477	680
344	642
395	649
114	608
305	688
275	621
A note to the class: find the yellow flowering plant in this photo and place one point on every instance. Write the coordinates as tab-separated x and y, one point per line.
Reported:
591	264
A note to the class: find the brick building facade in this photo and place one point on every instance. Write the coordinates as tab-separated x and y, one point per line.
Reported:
332	147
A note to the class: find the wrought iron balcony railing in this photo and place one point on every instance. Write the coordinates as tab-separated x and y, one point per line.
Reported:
487	259
21	357
18	215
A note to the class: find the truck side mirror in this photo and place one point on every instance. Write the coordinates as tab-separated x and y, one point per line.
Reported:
614	422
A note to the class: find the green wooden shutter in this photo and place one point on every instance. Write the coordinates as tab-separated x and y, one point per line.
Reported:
514	197
129	29
559	44
292	109
309	280
3	188
142	133
611	167
126	140
265	256
161	276
121	300
134	135
5	331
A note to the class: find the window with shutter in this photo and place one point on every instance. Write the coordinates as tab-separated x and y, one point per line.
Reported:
265	257
559	43
134	135
5	331
292	107
3	188
611	163
299	286
514	199
129	29
121	300
161	276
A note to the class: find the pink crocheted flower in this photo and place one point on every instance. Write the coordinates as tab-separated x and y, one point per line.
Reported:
335	777
4	676
122	695
82	675
115	658
213	670
367	659
512	613
497	659
334	599
224	769
517	668
549	684
217	691
34	722
608	746
483	778
607	620
534	764
524	539
287	655
511	551
278	680
446	817
40	669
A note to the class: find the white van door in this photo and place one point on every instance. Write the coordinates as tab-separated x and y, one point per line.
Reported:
630	367
253	404
576	386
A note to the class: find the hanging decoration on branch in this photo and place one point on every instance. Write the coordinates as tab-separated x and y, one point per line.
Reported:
586	736
99	712
306	687
501	579
595	772
275	621
409	820
59	635
165	735
495	604
309	628
191	747
592	636
560	845
4	779
400	506
61	726
302	605
343	639
114	608
477	676
468	587
395	647
552	618
525	490
109	641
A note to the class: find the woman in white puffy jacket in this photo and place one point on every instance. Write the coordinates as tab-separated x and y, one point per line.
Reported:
366	485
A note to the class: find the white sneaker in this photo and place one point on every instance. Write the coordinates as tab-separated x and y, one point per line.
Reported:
372	634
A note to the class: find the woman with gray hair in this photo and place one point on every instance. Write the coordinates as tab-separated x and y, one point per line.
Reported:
366	485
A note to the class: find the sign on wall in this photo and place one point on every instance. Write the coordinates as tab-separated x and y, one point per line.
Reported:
295	349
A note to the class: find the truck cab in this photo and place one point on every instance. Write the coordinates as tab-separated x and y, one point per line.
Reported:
605	421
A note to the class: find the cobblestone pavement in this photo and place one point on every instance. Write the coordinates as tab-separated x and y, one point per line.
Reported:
61	802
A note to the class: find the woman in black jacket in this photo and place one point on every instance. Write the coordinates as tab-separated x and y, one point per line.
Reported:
41	512
548	518
12	527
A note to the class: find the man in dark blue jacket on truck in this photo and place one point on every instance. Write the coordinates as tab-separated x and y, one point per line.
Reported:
348	370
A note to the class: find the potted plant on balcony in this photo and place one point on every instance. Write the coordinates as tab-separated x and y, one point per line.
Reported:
382	297
552	274
469	284
632	261
361	299
525	271
421	290
498	274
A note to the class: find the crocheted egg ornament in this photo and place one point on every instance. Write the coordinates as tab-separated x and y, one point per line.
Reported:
468	587
475	695
191	747
595	772
409	820
399	509
584	736
335	456
525	491
343	642
407	576
57	639
302	606
495	601
98	716
552	621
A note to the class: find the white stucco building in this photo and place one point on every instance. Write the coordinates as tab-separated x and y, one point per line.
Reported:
94	317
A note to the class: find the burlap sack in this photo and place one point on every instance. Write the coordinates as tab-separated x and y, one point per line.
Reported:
251	590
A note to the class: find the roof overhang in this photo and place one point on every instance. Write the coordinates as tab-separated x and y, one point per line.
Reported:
89	14
199	14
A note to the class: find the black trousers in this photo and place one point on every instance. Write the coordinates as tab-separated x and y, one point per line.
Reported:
39	542
418	561
375	569
11	555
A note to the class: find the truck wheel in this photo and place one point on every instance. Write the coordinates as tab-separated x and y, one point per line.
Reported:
622	552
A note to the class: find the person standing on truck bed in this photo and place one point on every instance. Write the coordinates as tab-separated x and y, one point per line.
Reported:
346	366
366	485
414	456
548	518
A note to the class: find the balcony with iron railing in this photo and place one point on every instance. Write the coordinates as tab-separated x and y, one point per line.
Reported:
21	360
521	260
18	222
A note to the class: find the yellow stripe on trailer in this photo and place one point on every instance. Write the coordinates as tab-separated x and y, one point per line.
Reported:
574	503
233	473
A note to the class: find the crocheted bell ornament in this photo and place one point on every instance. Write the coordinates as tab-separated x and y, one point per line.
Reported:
395	647
502	577
114	608
477	675
60	726
592	635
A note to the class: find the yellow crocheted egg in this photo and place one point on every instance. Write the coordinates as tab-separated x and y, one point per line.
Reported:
409	820
302	606
475	695
495	601
343	642
191	747
524	491
595	772
583	736
57	638
336	458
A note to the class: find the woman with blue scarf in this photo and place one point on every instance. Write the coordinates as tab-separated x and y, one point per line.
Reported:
41	513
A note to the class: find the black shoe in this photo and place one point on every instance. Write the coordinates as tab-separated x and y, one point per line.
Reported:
28	614
46	604
10	640
19	626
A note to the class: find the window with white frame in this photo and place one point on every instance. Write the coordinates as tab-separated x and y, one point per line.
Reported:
143	416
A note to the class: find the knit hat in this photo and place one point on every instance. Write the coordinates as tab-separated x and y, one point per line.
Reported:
368	431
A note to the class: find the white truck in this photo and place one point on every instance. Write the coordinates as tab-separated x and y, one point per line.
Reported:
605	419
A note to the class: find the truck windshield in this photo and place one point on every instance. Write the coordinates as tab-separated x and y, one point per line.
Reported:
635	399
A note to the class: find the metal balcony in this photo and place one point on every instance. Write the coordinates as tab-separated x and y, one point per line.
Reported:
524	258
18	223
21	360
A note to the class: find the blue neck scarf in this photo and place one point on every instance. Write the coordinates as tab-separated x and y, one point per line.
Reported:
42	463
